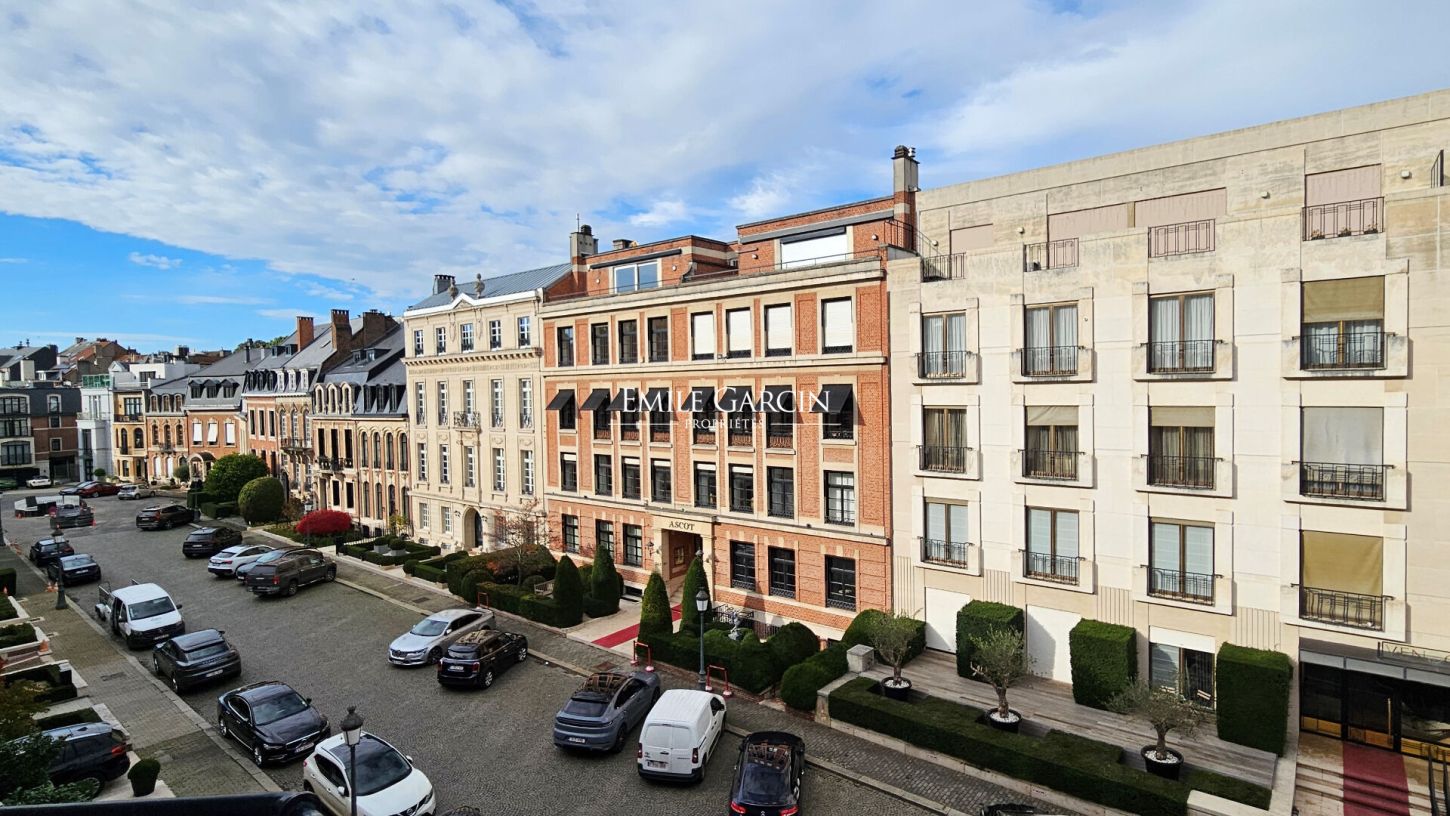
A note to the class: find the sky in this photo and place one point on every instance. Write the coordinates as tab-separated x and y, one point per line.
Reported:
200	173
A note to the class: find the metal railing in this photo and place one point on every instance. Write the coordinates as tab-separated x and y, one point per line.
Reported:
1187	238
466	419
1059	254
740	439
1049	361
442	419
496	420
1196	472
526	421
747	584
1060	569
1360	348
1194	587
944	267
601	433
1344	218
950	553
780	440
294	443
838	432
1340	481
841	602
1049	464
782	592
942	365
129	417
629	433
656	435
704	437
333	463
1437	765
943	458
1342	608
1181	356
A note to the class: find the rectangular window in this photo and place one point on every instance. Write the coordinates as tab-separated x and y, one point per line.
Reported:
632	277
633	545
599	344
782	572
568	472
442	404
440	339
1343	324
500	471
417	342
781	483
526	403
1342	453
526	331
945	541
196	432
1052	546
604	536
470	467
840	582
659	339
570	533
231	434
420	411
422	461
778	404
742	565
423	515
603	475
446	518
705	485
742	489
704	416
1180	446
944	440
564	403
1180	333
495	389
702	336
528	472
738	338
495	335
1180	561
838	326
465	337
628	341
779	330
630	477
817	247
468	397
1051	341
943	346
627	401
1052	442
1188	672
443	464
659	425
840	497
661	486
565	339
839	420
211	428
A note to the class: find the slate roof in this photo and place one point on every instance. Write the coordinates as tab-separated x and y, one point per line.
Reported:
510	284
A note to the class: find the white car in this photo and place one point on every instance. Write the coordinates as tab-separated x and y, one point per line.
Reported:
387	783
135	491
224	564
426	642
39	481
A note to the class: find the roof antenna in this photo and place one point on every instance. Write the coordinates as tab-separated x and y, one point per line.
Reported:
576	222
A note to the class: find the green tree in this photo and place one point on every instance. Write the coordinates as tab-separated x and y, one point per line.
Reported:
18	707
99	473
654	608
25	774
890	635
262	500
181	472
231	473
1000	659
568	592
604	582
695	581
1166	709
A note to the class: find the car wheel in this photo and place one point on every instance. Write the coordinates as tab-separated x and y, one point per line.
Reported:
619	739
291	588
257	755
488	678
221	726
96	778
156	665
523	654
175	684
331	575
433	655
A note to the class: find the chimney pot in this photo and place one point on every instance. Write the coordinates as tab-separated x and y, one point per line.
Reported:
623	243
441	283
305	331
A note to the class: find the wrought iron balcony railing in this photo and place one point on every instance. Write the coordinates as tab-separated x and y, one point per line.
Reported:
1340	481
840	601
468	420
942	365
1342	608
1360	348
1049	361
1195	472
1050	464
1058	254
1194	587
1062	569
943	458
296	443
780	438
1344	218
1181	356
950	553
1187	238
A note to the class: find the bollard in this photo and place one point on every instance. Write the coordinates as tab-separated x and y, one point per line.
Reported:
60	595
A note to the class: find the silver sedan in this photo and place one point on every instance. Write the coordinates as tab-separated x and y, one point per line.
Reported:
426	642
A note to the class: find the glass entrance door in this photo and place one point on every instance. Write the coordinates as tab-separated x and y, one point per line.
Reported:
1370	711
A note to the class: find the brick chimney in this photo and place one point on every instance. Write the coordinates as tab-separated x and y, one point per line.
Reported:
341	330
441	283
582	243
623	243
304	332
375	324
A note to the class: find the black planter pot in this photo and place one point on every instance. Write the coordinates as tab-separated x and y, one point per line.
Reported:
143	786
900	693
1166	770
1009	725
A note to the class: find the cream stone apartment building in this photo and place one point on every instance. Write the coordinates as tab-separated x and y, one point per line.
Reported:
472	360
1194	389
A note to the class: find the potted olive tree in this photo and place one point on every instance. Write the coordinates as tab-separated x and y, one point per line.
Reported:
143	777
1166	709
1001	659
890	635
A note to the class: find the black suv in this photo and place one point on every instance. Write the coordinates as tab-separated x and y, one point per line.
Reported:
47	551
271	719
89	751
768	774
297	568
163	517
76	515
477	657
209	541
195	659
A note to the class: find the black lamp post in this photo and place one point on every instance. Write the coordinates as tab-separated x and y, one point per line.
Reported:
702	602
352	732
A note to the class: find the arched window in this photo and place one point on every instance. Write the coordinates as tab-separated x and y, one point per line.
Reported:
378	503
136	440
403	452
362	452
389	450
180	436
392	502
377	450
168	434
407	511
366	494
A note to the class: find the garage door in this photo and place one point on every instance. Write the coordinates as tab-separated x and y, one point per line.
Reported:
1047	631
941	618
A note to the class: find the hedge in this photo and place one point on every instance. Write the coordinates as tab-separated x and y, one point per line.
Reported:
654	607
569	591
695	580
751	667
975	619
859	633
1104	659
427	573
1253	696
7	581
793	643
16	634
801	683
48	675
504	564
1227	787
84	715
218	510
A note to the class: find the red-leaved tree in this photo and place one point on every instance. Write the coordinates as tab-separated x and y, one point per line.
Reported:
324	523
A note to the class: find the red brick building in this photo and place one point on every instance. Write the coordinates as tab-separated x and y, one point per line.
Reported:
732	399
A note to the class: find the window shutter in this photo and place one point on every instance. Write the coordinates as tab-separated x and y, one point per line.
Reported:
702	334
1342	562
1344	436
840	327
823	249
737	330
1348	299
965	239
1180	209
1052	415
1353	184
1175	416
779	331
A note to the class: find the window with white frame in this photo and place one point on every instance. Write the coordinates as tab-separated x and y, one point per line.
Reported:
442	404
446	517
838	326
496	402
495	335
465	337
423	515
423	461
632	277
440	339
443	464
817	247
468	396
196	432
500	471
702	336
527	461
840	497
739	340
526	334
779	330
211	432
420	411
526	403
417	342
470	466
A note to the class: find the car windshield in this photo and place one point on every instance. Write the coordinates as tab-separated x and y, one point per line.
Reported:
429	627
276	708
271	556
201	535
78	561
762	784
151	608
208	651
585	706
379	766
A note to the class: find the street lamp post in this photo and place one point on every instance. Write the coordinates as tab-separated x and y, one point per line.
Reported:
702	602
352	732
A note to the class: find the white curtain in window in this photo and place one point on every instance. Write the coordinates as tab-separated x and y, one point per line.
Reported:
702	334
1343	436
211	431
826	249
933	338
956	332
195	432
737	330
1166	555
936	521
1198	550
1362	340
1066	535
840	329
1164	325
1039	531
1198	326
779	333
957	523
1039	328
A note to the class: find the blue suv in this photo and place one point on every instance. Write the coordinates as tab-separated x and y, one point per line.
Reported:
600	715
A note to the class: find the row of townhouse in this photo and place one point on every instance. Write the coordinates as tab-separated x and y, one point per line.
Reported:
38	434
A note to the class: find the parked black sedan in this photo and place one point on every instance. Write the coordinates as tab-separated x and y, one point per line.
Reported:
209	541
47	551
276	723
768	775
475	659
195	658
69	570
163	517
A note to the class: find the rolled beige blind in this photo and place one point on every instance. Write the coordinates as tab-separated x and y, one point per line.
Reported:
1347	299
1087	222
1343	562
1174	416
1181	209
969	238
1052	415
1353	184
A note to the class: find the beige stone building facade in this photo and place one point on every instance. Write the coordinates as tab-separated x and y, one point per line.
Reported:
1193	389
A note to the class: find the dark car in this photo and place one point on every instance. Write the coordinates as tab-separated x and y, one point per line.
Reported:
163	517
601	713
90	490
267	558
209	541
89	751
478	657
47	551
195	659
768	775
65	518
276	723
69	570
287	574
75	489
1011	809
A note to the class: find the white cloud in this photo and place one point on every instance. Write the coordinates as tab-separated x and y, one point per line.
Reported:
154	261
665	211
327	292
14	260
281	314
220	300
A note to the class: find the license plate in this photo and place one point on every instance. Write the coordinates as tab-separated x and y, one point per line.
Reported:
455	668
654	763
213	673
579	740
306	746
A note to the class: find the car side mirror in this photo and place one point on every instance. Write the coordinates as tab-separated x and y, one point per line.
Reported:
307	700
341	790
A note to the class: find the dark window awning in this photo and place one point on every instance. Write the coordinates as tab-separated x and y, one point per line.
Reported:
561	400
778	398
701	400
831	399
738	399
598	399
626	400
658	399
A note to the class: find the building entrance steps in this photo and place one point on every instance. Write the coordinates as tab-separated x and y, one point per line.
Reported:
1050	704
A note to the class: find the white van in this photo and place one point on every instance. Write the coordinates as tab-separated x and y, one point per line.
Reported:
679	735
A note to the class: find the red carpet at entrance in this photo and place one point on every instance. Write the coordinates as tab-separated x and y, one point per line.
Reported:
1374	782
630	632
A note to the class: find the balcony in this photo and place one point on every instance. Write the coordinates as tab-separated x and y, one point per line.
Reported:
780	438
442	419
659	435
526	421
1189	472
942	365
1343	219
1058	569
943	458
128	418
948	553
740	439
1338	481
1342	350
296	444
1049	255
944	267
1182	356
1178	585
1049	361
496	421
166	447
333	464
629	433
466	420
1342	608
1187	238
1049	464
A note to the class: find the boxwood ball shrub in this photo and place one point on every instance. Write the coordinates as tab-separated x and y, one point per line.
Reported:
1253	696
1104	658
793	643
261	500
754	668
801	682
976	618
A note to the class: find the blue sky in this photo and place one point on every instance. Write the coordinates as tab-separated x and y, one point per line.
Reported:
196	175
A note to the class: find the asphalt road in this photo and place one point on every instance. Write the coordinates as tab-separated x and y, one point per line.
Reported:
491	749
